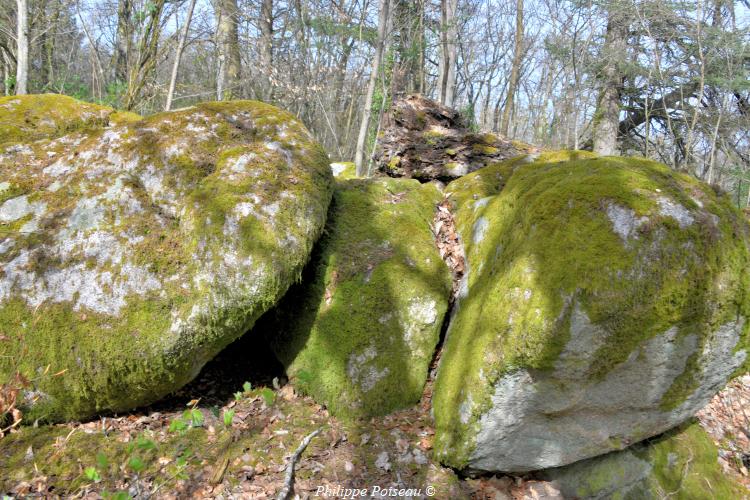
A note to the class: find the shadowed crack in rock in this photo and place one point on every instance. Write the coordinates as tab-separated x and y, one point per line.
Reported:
449	245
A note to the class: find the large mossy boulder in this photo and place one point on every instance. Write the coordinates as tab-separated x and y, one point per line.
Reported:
359	332
680	464
132	256
605	301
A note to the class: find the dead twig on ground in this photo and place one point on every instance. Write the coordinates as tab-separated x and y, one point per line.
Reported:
286	490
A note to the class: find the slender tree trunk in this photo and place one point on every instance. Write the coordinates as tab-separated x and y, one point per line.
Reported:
229	50
365	124
22	50
448	46
341	66
266	48
6	73
48	43
123	40
515	70
422	80
607	116
178	54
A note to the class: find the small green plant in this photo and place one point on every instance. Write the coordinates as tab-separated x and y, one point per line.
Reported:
268	396
228	417
247	387
92	474
136	464
178	425
238	395
194	417
180	466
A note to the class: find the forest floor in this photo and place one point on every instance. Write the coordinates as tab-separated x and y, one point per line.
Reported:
218	439
229	434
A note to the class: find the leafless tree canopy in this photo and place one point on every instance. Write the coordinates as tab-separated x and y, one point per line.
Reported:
665	80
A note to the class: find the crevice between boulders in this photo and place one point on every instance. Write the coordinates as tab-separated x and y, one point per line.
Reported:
451	251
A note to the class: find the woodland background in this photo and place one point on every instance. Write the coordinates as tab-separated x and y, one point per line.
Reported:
667	80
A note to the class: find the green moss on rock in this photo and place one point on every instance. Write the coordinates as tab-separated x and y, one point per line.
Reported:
359	333
680	464
583	271
149	247
28	118
344	170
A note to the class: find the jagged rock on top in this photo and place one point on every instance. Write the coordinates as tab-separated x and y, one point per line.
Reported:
422	139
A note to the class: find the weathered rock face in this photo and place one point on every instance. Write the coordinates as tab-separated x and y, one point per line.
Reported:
425	140
360	331
679	464
605	301
132	254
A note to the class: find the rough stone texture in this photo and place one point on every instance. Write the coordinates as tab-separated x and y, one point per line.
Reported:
130	255
604	302
425	140
680	464
360	331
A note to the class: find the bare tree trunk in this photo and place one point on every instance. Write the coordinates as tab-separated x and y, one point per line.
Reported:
144	66
97	73
607	116
6	73
123	41
422	80
448	45
266	48
450	79
178	55
515	70
49	39
22	50
229	50
365	124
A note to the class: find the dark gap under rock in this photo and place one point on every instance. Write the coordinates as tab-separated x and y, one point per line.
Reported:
247	359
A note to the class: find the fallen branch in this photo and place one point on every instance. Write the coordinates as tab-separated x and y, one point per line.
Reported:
286	491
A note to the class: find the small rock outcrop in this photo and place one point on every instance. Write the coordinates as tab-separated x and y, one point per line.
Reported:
358	334
604	302
131	254
425	140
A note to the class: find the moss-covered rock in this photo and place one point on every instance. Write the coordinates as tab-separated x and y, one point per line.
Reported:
29	118
344	170
359	333
681	464
132	254
605	301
